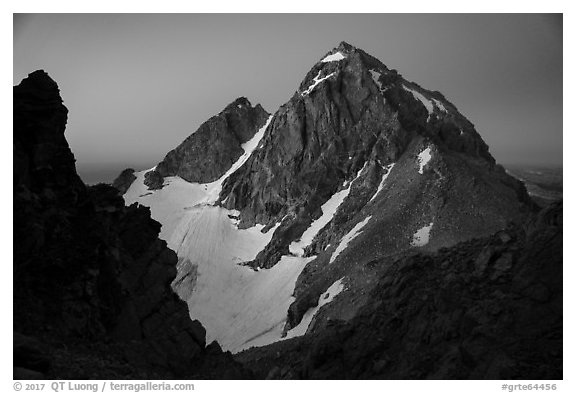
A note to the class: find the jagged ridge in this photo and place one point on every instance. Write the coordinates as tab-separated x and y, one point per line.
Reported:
91	278
208	153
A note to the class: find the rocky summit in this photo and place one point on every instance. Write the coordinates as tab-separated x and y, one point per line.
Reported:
416	174
208	153
92	295
352	123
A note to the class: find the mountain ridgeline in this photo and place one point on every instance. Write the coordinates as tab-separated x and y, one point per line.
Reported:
208	153
363	230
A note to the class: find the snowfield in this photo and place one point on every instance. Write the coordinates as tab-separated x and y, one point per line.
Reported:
238	306
422	236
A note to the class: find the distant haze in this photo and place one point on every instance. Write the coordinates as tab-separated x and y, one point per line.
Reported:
137	85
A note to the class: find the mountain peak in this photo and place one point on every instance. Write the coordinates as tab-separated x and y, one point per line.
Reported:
207	153
344	46
39	75
342	51
39	84
239	103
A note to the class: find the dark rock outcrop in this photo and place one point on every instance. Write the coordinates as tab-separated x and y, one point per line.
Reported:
91	278
31	360
485	309
154	180
210	151
123	182
43	161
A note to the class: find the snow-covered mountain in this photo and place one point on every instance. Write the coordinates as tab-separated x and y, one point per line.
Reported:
275	218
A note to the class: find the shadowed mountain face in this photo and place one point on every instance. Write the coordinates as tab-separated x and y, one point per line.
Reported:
361	171
208	153
92	296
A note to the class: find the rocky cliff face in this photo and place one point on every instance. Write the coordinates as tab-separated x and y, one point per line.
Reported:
485	309
351	122
91	278
208	153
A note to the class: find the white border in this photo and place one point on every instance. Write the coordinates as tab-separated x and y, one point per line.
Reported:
303	6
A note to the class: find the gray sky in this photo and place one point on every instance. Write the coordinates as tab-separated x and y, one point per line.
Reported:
137	85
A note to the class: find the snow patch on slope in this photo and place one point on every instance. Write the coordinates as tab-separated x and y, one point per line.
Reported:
349	237
427	103
376	77
387	169
329	209
422	236
317	80
333	57
440	105
335	289
423	159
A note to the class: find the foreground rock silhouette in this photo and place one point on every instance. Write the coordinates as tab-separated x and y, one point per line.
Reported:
92	296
